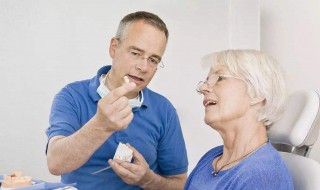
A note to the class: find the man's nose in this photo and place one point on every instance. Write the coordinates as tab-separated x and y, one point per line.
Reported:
142	64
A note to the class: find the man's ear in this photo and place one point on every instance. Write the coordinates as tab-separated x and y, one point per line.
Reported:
255	101
113	46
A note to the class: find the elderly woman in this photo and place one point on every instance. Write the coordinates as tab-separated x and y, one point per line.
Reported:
244	93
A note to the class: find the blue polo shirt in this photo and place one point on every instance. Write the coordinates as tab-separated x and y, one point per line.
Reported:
154	131
264	169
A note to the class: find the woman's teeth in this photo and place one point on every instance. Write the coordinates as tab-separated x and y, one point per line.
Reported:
210	103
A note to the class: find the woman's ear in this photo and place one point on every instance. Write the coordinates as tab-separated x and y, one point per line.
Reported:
113	46
257	100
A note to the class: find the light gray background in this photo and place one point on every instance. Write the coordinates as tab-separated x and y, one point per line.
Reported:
45	44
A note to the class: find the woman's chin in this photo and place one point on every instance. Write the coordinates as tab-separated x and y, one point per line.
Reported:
209	121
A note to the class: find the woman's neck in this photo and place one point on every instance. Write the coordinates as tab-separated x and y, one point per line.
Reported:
241	140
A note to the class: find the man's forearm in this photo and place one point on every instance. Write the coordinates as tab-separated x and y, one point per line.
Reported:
66	154
175	182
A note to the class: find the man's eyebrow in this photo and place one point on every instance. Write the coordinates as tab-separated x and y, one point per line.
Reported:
143	51
136	48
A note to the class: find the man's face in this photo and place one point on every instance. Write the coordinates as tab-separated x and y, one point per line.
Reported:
140	41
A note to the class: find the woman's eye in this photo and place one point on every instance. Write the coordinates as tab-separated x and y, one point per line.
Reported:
220	78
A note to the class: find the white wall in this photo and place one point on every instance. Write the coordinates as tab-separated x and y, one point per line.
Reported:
46	44
290	31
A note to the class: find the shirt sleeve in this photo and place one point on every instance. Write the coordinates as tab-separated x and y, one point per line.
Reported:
63	119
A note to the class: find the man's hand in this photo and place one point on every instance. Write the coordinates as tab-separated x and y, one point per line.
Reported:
114	112
66	154
137	173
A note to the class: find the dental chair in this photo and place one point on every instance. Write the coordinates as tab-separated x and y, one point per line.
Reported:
294	136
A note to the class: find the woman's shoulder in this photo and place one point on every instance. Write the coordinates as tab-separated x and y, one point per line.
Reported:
214	152
266	155
265	159
265	167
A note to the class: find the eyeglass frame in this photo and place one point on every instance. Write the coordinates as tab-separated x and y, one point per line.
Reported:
200	83
137	57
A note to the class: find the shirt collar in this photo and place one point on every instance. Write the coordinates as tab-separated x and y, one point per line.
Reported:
104	76
95	82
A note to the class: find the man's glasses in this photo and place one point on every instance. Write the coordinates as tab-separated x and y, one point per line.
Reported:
213	79
153	62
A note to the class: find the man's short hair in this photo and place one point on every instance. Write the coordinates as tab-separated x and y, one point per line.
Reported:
146	17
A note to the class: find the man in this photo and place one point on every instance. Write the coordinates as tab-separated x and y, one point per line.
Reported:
90	118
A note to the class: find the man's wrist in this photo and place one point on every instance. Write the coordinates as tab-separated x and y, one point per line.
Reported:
97	123
151	181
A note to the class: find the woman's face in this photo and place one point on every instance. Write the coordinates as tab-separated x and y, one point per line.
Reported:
226	100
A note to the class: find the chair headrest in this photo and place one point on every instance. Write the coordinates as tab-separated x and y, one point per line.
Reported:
305	171
299	124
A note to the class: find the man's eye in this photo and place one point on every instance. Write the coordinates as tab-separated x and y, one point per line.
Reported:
153	61
134	54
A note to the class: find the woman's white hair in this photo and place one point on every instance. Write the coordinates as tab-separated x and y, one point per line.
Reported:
264	76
